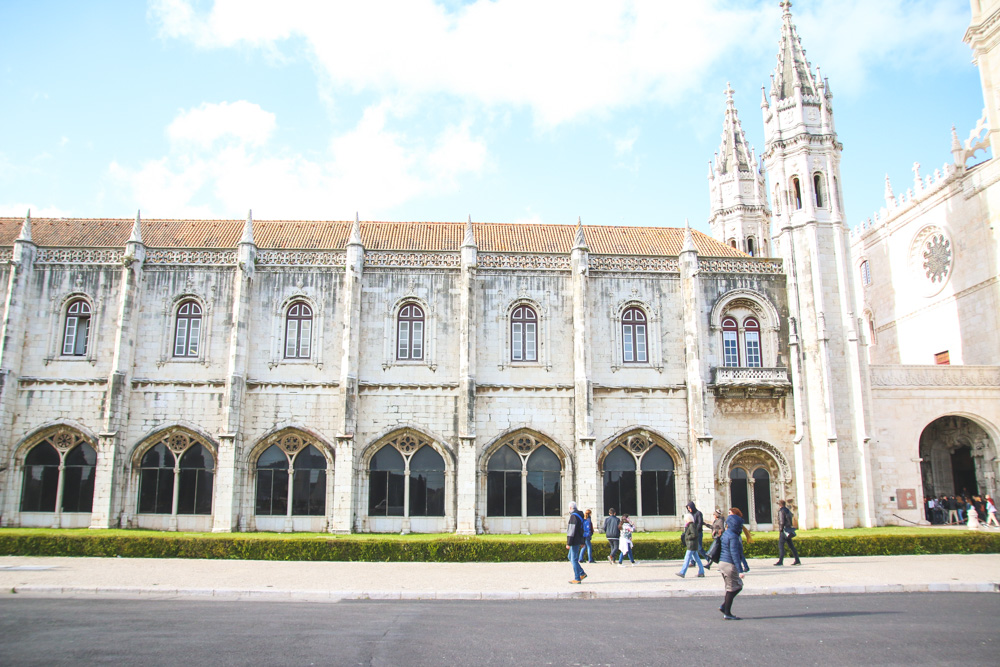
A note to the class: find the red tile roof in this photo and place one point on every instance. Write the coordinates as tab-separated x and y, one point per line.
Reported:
415	236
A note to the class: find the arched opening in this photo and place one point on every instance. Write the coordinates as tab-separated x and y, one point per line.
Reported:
762	495
957	458
797	192
619	482
174	477
751	248
757	475
639	473
58	478
739	495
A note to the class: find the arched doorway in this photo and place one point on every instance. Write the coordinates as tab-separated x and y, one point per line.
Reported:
957	457
754	475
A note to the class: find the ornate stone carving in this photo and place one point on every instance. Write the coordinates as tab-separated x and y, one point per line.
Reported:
418	259
631	263
935	376
737	265
301	257
79	256
203	257
6	254
756	450
515	261
66	439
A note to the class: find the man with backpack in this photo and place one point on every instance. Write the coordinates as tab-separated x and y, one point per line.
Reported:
612	531
786	531
575	542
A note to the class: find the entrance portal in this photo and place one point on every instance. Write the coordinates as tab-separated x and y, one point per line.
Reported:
957	458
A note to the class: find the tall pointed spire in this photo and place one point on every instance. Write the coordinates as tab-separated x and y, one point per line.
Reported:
734	152
355	238
793	70
248	229
136	236
25	234
689	245
470	236
581	240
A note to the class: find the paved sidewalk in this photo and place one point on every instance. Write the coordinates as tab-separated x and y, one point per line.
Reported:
231	579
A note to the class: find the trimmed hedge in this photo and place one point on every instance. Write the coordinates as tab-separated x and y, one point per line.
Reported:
454	549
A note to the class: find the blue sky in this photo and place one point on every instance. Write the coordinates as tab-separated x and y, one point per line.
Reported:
511	110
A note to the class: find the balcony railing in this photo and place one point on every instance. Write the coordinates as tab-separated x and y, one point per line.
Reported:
748	382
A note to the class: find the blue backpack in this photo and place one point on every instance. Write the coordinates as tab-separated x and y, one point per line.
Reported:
588	528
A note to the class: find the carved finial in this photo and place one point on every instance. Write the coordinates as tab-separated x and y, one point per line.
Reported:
355	231
136	229
786	7
26	228
916	177
581	239
470	236
956	145
729	94
689	245
248	229
889	196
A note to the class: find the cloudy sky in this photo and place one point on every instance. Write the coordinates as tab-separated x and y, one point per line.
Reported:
533	111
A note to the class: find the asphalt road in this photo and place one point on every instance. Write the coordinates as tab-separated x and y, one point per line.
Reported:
904	629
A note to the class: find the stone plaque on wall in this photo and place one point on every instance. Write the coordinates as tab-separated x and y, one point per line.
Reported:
906	499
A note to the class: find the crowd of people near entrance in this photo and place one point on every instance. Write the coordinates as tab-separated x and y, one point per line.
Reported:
727	544
972	510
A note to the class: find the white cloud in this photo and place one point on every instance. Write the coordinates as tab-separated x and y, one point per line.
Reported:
560	58
624	145
369	168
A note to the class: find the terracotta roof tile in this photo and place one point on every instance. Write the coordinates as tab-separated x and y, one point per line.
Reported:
415	236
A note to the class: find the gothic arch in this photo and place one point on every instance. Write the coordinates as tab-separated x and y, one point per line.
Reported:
637	440
169	432
408	440
36	435
532	440
757	302
768	450
279	435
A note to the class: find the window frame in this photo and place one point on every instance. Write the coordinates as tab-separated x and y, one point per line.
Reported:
405	316
515	485
75	318
522	318
178	442
297	319
632	340
406	487
751	327
730	340
189	319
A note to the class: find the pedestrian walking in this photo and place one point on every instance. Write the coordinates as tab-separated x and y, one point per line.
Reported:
952	506
718	526
991	512
699	529
612	531
786	532
690	539
574	543
588	534
731	569
625	541
738	525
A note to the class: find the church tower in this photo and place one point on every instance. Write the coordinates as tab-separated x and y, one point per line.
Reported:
740	216
831	396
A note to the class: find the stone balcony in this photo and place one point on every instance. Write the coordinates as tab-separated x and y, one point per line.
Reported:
738	382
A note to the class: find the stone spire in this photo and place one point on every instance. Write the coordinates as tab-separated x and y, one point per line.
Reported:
355	238
793	70
470	236
890	197
136	236
248	229
25	234
734	152
581	240
689	245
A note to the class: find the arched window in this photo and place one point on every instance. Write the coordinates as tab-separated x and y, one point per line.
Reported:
751	248
178	479
187	332
871	331
658	497
386	482
503	483
619	482
76	333
818	190
410	332
739	492
751	338
730	343
280	468
797	192
762	495
634	336
40	490
866	273
426	483
298	331
544	477
524	334
732	243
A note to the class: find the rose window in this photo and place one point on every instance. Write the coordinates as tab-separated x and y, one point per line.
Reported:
937	258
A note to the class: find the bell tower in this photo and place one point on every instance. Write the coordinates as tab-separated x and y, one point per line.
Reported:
829	369
740	216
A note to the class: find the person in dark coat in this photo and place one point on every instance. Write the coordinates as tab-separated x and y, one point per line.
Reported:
785	534
731	569
612	531
690	539
699	529
575	542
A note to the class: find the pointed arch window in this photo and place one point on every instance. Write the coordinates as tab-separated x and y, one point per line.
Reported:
76	333
762	495
176	476
751	247
298	331
818	190
543	481
58	479
287	466
797	193
526	482
730	343
524	334
187	330
634	336
658	494
406	477
866	273
410	333
620	482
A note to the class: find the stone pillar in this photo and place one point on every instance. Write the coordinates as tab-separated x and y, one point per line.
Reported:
343	479
11	348
465	480
229	462
583	397
109	475
701	460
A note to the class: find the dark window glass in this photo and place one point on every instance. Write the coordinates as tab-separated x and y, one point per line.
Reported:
620	481
78	479
272	482
523	334
187	332
762	495
410	333
426	483
634	336
544	477
156	481
658	497
194	492
738	492
309	492
41	479
503	483
751	247
386	483
818	189
298	331
77	331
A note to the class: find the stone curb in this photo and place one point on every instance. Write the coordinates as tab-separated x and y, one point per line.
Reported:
337	596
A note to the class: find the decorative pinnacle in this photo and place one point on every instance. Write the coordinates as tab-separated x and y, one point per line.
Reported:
956	145
729	95
889	195
248	229
786	6
470	237
581	239
689	245
26	228
136	229
355	238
